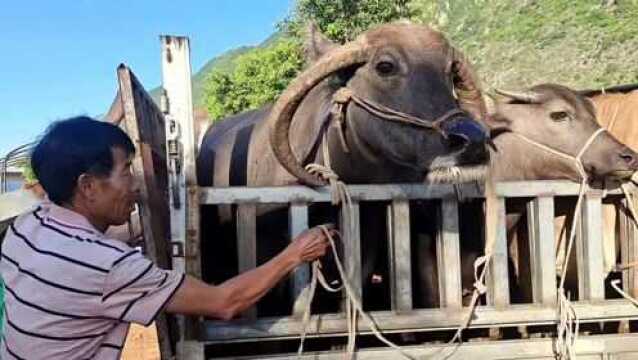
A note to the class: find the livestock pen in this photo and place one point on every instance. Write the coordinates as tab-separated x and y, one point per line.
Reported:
499	328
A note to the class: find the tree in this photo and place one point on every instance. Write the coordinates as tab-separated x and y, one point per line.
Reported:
343	20
259	76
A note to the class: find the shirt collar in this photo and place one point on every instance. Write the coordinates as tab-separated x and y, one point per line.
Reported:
68	218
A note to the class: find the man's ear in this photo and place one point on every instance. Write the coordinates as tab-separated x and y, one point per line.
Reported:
316	44
86	187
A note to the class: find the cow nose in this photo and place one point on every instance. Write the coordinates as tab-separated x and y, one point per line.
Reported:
457	142
629	159
464	131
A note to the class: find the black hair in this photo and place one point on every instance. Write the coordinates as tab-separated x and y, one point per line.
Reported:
72	147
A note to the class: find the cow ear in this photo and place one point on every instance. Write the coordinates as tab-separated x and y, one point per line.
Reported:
316	45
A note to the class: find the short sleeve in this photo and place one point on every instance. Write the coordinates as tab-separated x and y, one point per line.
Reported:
135	290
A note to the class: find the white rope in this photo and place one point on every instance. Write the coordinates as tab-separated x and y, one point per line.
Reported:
568	323
354	308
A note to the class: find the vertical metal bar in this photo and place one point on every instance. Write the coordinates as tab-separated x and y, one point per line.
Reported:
399	255
176	78
176	81
628	249
352	247
542	250
247	243
590	249
498	274
297	223
449	255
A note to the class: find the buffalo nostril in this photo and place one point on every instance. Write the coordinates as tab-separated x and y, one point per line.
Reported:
457	142
629	159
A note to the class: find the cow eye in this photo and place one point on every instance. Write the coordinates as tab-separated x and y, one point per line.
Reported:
385	68
560	116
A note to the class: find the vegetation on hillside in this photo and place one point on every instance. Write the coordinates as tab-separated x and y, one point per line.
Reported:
257	78
513	44
583	44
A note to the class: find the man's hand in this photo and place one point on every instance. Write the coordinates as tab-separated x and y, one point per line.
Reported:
226	300
309	245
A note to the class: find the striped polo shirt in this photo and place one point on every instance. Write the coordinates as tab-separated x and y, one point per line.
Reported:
71	292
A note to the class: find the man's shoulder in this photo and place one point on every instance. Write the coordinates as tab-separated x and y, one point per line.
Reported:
38	235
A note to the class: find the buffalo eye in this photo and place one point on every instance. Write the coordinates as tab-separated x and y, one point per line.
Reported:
385	68
560	116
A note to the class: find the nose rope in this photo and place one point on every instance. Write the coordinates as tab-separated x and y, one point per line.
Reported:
577	160
345	95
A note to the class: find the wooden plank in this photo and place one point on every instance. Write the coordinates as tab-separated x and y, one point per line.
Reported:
144	124
415	320
498	292
597	347
350	230
628	249
542	250
287	194
247	244
589	249
449	255
298	222
399	254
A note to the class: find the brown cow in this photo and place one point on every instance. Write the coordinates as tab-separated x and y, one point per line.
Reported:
554	116
617	111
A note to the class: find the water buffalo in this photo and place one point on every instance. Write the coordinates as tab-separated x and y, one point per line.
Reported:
548	114
617	111
351	95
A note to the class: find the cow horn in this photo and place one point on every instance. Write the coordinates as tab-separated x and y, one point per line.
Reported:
281	115
467	89
529	97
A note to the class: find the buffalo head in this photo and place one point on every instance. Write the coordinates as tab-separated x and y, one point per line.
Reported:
563	120
400	104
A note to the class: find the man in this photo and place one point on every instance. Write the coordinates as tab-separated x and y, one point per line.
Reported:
72	291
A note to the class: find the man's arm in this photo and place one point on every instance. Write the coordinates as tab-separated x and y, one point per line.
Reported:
235	295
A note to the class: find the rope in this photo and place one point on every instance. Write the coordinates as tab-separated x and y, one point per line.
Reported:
354	309
568	323
344	95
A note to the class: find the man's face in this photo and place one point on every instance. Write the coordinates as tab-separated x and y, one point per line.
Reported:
117	193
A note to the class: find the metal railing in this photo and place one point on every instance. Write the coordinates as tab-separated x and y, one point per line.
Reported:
591	305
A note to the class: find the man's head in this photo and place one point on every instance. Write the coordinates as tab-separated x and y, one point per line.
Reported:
85	164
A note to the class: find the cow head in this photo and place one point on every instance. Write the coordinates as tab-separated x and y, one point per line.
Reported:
563	120
398	68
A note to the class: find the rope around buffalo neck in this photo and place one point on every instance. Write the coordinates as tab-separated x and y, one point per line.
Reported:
568	324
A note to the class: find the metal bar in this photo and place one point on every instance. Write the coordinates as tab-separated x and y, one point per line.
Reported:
628	248
449	255
590	249
298	222
400	255
415	320
183	191
176	79
498	293
350	230
542	250
287	194
247	243
597	347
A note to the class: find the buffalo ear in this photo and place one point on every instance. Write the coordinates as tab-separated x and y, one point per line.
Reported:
317	44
